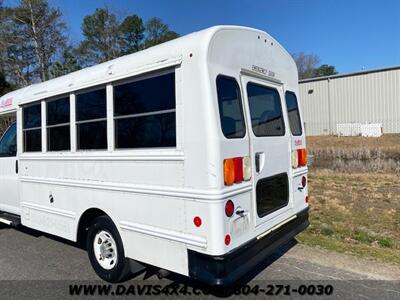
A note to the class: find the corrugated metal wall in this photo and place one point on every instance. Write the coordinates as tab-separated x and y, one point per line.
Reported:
370	97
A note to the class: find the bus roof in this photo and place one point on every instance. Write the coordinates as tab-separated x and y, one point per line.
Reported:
161	56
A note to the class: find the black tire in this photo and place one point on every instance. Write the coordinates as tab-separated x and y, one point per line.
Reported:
121	269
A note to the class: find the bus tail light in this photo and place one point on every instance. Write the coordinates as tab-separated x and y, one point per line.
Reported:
229	171
238	165
304	181
295	159
246	168
302	156
237	169
299	158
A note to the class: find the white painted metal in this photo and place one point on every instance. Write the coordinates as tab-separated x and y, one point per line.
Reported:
363	97
152	195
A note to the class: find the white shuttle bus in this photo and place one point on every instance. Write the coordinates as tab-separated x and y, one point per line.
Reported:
188	156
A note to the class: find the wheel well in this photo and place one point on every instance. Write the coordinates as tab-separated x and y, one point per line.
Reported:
84	222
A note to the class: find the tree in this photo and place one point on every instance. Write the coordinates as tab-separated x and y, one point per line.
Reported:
32	36
306	64
101	37
5	87
325	70
157	32
132	34
67	64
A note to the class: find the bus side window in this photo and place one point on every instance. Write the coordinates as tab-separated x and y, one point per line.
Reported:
294	114
230	107
8	143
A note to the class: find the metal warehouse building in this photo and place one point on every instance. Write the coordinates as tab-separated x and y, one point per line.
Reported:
363	97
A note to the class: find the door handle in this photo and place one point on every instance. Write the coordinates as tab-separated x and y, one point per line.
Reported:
259	161
16	167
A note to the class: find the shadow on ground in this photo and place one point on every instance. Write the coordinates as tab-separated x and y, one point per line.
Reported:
174	280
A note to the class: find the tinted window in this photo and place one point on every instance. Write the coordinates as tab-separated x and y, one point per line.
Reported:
265	110
33	140
58	112
272	194
32	116
58	138
148	131
153	94
32	132
294	114
92	135
230	108
91	115
8	143
58	129
91	105
154	97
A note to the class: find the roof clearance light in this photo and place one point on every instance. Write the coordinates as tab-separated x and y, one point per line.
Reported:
229	171
246	168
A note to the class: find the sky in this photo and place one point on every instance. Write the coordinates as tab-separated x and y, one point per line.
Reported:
351	35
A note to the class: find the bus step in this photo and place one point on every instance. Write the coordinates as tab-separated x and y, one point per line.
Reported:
10	219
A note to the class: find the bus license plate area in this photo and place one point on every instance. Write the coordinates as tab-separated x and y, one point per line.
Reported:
240	225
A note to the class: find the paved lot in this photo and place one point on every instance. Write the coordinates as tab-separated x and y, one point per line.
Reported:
29	258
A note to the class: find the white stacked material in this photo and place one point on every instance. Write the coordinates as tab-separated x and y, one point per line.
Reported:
358	129
348	129
371	130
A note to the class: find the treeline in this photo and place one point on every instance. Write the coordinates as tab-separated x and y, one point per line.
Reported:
35	47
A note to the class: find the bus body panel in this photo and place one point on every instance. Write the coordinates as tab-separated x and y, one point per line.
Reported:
153	195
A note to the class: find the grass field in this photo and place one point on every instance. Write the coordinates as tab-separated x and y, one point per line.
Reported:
352	154
355	201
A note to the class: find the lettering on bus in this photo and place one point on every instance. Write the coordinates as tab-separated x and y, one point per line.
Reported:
6	103
263	71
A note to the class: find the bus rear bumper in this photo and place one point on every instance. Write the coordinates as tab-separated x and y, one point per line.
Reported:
231	267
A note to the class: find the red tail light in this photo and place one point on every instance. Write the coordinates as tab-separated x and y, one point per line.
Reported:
238	166
304	181
227	239
229	208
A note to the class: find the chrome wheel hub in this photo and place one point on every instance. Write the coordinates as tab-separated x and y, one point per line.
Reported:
105	250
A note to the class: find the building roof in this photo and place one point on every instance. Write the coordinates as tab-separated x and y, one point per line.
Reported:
363	72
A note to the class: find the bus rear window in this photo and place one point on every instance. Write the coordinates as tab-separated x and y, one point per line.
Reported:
294	114
230	108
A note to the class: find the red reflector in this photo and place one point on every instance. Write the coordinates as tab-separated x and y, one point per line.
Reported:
229	208
238	167
304	181
306	199
197	221
227	239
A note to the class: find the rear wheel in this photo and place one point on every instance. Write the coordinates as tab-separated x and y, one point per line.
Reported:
106	252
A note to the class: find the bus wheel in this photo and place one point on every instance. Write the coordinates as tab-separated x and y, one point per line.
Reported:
106	252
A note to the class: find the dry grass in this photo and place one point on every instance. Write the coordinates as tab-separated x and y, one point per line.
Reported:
356	154
355	213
